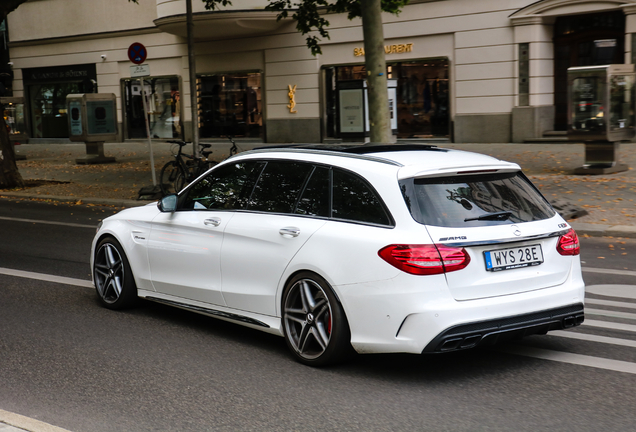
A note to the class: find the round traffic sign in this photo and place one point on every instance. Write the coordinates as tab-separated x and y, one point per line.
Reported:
137	53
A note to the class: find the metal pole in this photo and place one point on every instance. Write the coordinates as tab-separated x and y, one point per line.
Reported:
193	79
152	158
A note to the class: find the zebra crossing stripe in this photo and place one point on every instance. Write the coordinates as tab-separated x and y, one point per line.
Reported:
571	358
593	338
610	313
610	325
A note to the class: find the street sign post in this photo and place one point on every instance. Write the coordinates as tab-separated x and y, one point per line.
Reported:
137	54
139	71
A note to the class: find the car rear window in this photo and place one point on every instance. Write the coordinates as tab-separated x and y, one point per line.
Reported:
475	200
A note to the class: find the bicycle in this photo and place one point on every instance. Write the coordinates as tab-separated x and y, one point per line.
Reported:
177	174
234	149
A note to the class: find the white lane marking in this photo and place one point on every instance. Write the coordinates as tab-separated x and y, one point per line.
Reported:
47	277
624	291
609	313
610	303
571	358
609	271
593	338
610	325
26	423
69	224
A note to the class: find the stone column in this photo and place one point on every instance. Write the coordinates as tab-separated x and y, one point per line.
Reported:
534	110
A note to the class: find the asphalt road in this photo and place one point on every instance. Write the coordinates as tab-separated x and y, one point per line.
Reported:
66	361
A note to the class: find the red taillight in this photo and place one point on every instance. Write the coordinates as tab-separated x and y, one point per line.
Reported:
425	259
569	243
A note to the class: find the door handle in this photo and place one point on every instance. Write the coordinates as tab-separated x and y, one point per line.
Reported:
215	221
289	231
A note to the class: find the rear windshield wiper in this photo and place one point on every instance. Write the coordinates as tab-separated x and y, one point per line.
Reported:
491	216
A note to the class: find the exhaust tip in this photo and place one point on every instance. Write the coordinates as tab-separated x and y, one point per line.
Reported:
572	321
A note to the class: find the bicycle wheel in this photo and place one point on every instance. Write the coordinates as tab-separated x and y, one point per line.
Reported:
171	178
180	182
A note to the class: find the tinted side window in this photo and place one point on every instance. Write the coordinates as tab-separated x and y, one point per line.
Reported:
315	198
353	199
278	187
225	188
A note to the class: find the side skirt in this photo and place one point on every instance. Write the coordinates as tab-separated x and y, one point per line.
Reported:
263	323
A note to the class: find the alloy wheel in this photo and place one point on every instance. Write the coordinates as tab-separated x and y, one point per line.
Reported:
109	273
308	319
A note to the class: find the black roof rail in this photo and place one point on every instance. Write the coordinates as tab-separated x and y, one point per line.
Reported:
357	148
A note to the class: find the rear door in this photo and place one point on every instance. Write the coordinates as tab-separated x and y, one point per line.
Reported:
260	243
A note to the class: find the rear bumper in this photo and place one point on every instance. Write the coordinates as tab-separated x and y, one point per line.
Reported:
490	332
415	315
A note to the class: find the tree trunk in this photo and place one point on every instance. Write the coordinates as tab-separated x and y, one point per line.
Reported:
379	116
9	175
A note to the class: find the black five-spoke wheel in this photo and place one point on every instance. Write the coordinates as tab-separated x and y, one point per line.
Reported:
113	278
315	326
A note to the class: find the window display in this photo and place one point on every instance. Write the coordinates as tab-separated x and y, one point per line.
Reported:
164	107
230	105
14	117
422	97
48	108
46	91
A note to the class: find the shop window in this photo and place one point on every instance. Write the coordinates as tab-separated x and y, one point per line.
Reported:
230	105
164	108
46	91
421	97
48	108
14	118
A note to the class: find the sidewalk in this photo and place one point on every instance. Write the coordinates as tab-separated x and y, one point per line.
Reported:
610	200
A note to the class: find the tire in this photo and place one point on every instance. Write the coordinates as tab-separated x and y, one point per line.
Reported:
172	178
314	324
114	281
180	182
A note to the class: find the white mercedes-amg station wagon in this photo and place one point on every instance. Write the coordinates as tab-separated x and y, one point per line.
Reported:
379	248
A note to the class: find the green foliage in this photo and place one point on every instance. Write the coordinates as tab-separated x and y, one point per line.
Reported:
310	14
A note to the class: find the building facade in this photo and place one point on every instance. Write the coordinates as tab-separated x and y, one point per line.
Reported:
462	70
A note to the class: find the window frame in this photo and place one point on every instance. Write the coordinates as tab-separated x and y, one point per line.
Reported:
314	167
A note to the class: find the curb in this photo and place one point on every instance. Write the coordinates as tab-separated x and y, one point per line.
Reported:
599	230
70	199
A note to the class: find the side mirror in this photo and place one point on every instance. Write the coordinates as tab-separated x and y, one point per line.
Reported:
168	204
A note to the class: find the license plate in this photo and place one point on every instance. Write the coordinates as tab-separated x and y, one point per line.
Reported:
512	258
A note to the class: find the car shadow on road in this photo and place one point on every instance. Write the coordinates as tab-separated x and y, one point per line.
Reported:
426	368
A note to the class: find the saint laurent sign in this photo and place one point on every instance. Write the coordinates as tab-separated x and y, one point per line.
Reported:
388	49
